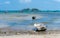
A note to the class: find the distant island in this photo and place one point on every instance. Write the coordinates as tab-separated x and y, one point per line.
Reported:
29	10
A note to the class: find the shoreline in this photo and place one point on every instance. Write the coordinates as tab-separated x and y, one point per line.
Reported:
30	32
32	36
46	34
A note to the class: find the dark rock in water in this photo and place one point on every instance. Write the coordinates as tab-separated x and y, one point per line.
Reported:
33	17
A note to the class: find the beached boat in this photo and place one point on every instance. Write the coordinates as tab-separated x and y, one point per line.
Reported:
39	27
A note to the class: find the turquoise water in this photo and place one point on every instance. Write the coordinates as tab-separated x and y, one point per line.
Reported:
24	20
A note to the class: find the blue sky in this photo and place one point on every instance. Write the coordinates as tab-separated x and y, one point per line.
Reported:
21	4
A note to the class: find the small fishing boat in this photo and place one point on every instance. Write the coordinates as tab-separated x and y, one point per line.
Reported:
39	27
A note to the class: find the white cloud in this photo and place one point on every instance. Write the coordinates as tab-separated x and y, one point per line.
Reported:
25	1
7	2
57	0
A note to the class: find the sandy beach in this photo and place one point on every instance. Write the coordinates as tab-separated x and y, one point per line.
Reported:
33	36
50	34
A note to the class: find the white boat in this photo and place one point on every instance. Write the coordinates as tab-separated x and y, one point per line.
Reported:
40	27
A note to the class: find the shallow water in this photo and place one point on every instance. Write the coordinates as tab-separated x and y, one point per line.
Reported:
24	20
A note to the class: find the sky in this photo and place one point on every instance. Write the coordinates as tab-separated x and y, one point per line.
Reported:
22	4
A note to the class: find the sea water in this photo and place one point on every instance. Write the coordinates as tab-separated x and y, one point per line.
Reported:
18	21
